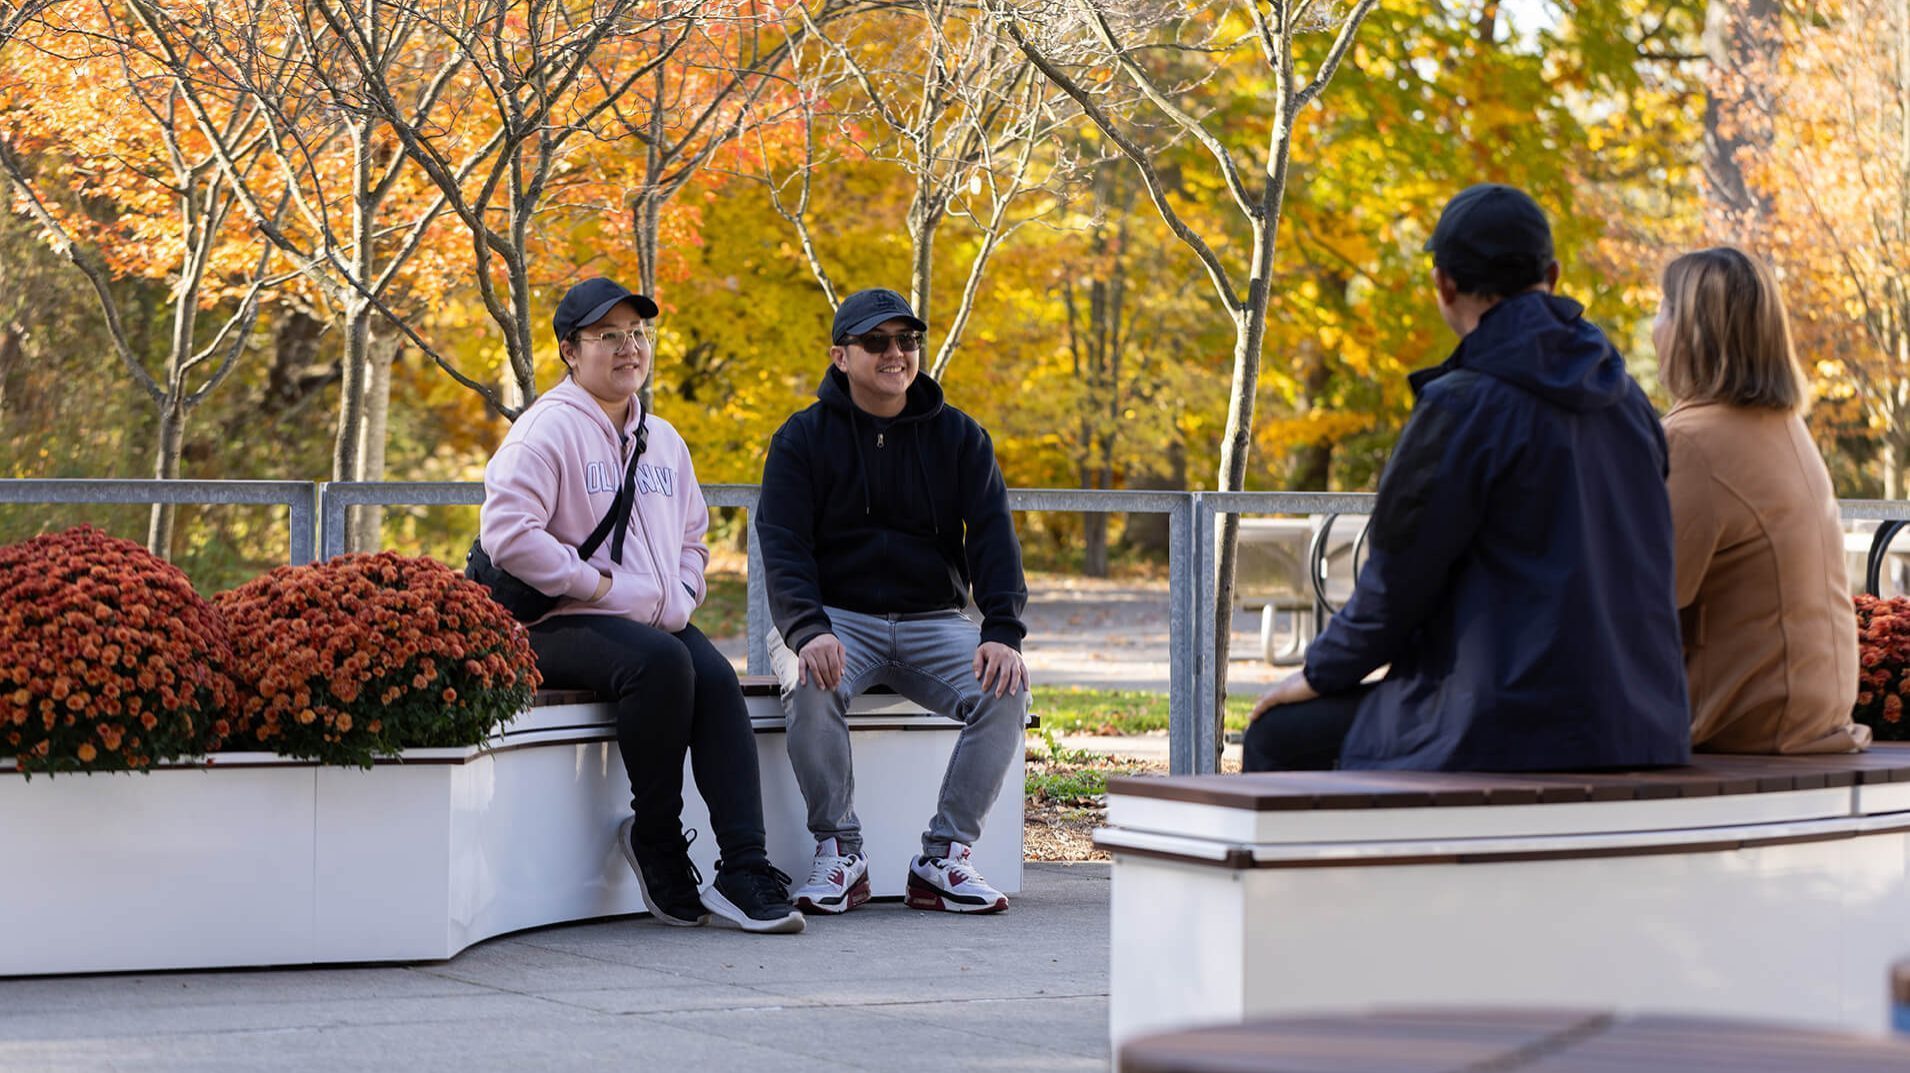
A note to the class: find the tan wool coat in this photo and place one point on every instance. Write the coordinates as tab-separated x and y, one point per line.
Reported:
1770	634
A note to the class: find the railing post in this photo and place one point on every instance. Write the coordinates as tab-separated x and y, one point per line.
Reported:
758	618
1183	609
1206	747
304	523
331	533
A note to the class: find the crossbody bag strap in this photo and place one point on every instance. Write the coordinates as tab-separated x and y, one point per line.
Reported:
618	518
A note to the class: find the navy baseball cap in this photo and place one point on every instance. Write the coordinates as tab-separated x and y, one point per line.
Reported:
1492	230
865	309
589	301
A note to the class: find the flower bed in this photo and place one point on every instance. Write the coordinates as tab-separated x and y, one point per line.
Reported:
366	655
1883	643
112	660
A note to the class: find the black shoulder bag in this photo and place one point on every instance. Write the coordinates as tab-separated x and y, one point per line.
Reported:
527	604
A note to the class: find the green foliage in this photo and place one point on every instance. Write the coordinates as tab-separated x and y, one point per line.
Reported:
725	610
1063	776
1081	710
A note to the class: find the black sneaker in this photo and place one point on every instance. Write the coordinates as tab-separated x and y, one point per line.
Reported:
754	899
666	878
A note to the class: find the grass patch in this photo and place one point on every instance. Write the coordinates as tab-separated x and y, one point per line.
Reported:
1077	778
725	611
1079	710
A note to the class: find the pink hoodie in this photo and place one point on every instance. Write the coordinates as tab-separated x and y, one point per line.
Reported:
553	479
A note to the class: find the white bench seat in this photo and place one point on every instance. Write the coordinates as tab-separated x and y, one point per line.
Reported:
254	859
1763	887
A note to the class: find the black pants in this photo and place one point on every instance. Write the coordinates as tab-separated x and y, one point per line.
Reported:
674	693
1301	737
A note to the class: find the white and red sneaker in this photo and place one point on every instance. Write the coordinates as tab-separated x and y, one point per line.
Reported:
952	884
838	882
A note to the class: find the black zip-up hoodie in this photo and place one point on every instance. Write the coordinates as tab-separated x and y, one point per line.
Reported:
886	515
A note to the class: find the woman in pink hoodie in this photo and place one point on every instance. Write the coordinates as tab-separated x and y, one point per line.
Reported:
622	626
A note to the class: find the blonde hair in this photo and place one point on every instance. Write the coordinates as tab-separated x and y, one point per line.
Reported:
1729	339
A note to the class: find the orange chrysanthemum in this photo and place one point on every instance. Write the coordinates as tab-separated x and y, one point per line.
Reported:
1883	642
368	654
107	643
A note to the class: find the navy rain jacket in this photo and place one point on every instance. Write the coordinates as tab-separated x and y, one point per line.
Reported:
1520	575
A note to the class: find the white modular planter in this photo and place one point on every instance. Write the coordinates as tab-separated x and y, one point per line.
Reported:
1229	903
258	860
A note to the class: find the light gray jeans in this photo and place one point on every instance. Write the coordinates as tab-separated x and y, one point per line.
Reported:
930	659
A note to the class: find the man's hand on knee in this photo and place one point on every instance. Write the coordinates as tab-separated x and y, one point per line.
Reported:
820	661
1292	689
1000	669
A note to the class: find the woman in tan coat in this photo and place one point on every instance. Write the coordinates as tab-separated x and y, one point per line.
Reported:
1770	636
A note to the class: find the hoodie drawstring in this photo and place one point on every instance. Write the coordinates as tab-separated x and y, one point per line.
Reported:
921	463
855	437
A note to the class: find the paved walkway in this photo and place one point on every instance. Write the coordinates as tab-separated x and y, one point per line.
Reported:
884	988
1107	634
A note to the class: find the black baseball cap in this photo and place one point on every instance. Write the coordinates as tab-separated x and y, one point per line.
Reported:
589	301
865	309
1492	231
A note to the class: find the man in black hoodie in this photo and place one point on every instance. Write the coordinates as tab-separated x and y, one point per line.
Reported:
1519	583
881	508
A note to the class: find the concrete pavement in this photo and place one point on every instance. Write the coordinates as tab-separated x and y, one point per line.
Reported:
883	988
1107	634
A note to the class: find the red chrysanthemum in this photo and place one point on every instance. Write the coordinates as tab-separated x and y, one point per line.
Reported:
365	655
113	661
1883	642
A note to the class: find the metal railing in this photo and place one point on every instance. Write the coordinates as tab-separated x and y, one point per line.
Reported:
318	513
1183	557
300	497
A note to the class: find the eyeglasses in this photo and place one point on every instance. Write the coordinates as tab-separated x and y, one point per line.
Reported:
877	343
616	339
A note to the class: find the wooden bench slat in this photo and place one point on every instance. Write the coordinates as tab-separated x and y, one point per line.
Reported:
1708	775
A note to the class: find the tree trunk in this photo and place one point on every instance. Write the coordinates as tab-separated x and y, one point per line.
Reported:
1147	533
351	392
358	313
172	439
1740	38
365	530
1250	328
924	218
647	217
1094	524
1313	464
10	351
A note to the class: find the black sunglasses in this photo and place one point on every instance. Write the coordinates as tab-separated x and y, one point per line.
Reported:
878	343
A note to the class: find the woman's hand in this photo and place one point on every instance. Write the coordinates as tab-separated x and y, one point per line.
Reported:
603	588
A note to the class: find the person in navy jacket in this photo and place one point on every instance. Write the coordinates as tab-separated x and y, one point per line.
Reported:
1519	587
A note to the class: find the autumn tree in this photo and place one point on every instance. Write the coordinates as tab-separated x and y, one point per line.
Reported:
538	76
1740	45
15	14
1835	188
725	81
1071	41
92	123
358	214
1132	337
934	94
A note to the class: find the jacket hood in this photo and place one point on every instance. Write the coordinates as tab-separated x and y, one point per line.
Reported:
925	396
1542	343
570	394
